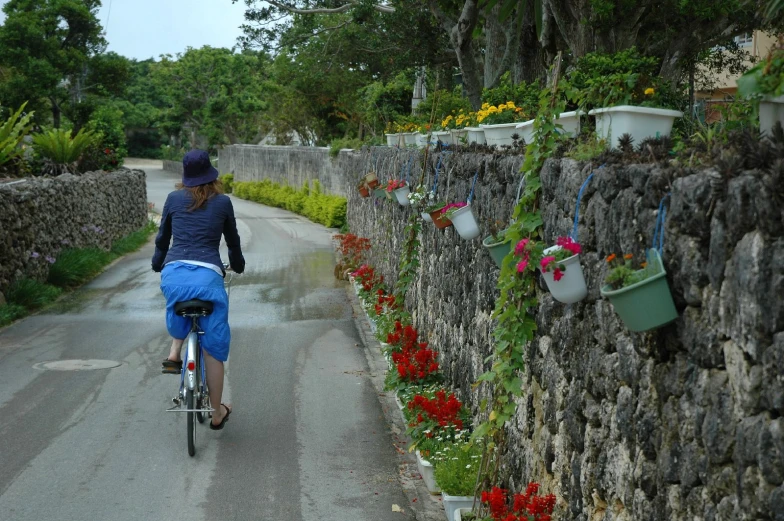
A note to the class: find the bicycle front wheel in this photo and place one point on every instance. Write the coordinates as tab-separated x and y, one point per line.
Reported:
189	403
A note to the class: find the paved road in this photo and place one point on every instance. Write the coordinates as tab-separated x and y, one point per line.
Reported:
306	441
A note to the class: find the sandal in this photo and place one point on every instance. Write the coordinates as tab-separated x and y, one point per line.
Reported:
223	421
171	366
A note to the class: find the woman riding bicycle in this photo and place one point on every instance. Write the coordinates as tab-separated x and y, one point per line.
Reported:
196	215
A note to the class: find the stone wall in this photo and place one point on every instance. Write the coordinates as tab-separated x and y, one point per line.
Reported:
682	423
172	166
288	165
679	423
41	216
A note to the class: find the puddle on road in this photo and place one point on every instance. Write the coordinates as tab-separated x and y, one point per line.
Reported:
304	289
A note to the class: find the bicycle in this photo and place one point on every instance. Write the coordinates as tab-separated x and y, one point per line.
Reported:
193	391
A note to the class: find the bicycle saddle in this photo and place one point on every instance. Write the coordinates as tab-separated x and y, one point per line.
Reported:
194	305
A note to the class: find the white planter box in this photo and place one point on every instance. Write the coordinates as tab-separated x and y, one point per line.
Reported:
454	503
501	134
459	513
402	195
639	122
409	138
426	470
771	111
571	288
444	136
393	139
476	135
422	140
459	136
465	223
570	121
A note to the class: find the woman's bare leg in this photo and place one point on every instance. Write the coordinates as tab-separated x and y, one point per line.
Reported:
175	353
215	384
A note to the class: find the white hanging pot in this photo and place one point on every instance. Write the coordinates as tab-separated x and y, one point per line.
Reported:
426	217
571	287
402	195
465	223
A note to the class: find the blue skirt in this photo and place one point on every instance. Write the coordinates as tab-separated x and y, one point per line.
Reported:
180	282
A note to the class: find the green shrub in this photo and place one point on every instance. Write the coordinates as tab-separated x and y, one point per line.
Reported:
228	181
12	131
31	294
339	144
60	150
11	312
329	210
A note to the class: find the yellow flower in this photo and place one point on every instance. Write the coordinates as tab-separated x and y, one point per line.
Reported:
485	106
510	104
649	91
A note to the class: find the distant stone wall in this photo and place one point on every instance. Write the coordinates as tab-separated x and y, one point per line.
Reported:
289	165
172	166
681	423
39	217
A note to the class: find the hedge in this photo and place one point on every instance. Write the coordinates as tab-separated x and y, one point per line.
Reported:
329	210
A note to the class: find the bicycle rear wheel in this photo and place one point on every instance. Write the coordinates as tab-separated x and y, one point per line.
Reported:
204	403
191	422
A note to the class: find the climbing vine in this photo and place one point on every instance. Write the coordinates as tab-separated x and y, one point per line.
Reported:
409	259
516	306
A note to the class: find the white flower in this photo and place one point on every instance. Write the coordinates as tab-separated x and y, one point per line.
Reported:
468	466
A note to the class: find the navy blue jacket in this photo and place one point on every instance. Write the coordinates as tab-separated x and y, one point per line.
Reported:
197	233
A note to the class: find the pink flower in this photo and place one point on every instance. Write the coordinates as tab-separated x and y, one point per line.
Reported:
546	262
557	274
522	265
452	205
520	248
568	244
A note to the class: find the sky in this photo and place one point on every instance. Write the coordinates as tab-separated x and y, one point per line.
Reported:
144	29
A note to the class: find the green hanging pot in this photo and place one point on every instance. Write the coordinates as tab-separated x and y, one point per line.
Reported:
379	193
497	250
647	304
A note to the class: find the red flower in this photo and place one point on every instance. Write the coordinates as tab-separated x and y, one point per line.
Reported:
557	274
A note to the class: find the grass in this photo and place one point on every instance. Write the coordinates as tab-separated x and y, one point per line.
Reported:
72	268
31	294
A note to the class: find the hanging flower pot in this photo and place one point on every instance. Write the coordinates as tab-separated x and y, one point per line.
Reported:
426	217
401	194
438	218
380	193
463	219
371	180
364	191
563	273
642	299
498	247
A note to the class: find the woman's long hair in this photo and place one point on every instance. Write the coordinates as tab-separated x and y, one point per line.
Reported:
201	193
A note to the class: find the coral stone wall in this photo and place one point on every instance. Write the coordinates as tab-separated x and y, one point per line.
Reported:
41	216
681	423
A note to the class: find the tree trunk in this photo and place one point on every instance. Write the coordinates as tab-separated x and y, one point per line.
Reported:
56	112
530	62
461	37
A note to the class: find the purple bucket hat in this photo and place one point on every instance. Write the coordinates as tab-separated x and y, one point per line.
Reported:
197	169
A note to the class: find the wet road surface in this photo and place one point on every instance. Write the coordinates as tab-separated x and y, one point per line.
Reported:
307	439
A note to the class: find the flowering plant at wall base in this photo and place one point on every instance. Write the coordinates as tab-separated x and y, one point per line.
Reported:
414	362
369	281
449	210
395	184
625	271
568	248
528	506
456	467
352	249
441	417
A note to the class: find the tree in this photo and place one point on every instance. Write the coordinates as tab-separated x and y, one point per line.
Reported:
215	92
46	46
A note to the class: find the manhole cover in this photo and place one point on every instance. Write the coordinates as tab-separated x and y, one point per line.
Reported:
76	365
